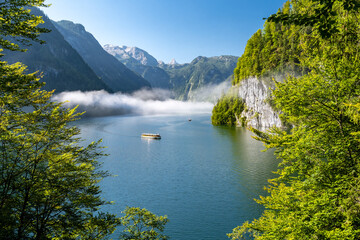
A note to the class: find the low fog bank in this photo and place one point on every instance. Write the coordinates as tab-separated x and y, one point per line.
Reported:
210	93
143	102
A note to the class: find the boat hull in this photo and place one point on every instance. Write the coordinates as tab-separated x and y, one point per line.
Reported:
150	136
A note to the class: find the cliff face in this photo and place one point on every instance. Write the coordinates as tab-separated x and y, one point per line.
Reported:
258	112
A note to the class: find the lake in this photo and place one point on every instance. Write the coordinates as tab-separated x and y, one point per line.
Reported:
204	178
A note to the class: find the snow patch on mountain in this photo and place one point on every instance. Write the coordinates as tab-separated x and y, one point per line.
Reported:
173	62
125	52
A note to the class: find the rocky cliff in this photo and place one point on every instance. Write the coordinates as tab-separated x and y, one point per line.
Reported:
258	111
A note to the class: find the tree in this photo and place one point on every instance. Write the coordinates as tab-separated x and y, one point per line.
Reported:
48	181
18	25
48	178
271	52
319	15
141	224
227	110
316	194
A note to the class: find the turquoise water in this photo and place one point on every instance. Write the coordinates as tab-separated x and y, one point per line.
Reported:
204	178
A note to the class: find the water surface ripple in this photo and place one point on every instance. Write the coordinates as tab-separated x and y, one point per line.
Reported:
203	177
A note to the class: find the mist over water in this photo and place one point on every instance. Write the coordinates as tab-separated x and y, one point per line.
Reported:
210	92
143	102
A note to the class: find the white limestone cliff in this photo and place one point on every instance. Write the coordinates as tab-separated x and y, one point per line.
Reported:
258	112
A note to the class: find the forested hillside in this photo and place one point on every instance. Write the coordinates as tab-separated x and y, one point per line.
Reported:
316	192
202	71
275	50
271	53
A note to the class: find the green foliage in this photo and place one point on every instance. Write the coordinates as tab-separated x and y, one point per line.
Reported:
18	25
272	51
141	224
48	179
227	110
316	194
320	17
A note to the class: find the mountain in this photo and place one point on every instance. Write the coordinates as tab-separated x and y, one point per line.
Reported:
115	74
62	67
173	62
141	62
132	54
157	77
183	79
202	71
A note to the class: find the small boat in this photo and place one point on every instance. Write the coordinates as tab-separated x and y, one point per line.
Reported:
189	119
151	135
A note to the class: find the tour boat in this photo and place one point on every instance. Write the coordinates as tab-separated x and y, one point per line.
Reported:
151	135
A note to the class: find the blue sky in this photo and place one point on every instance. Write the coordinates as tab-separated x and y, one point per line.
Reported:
180	29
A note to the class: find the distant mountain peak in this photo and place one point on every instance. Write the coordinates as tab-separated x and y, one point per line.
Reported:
173	62
125	52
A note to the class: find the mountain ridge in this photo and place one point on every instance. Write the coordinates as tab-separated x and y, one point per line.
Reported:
73	60
63	69
183	79
115	74
124	52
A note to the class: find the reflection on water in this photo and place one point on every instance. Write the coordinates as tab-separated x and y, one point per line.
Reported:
253	166
203	177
